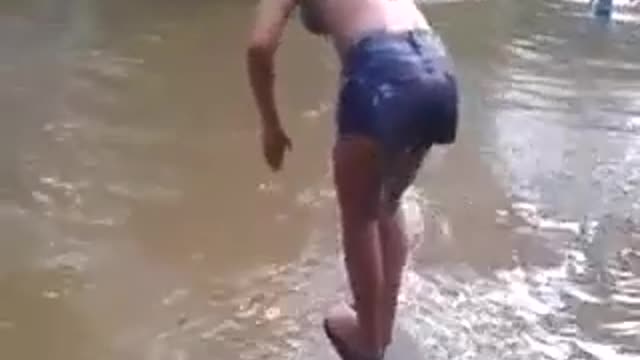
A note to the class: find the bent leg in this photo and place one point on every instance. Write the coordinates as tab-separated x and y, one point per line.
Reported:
357	175
393	240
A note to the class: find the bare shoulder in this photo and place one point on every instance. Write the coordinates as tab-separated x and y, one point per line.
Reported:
270	19
275	8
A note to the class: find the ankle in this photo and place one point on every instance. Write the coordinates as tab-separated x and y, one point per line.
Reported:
370	352
370	348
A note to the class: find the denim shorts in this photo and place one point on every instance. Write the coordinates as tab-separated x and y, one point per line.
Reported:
399	89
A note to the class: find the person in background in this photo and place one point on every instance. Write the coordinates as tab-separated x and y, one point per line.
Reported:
398	97
601	8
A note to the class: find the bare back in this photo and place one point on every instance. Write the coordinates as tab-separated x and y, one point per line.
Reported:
346	20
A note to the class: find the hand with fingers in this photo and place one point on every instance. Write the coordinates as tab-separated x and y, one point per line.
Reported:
274	144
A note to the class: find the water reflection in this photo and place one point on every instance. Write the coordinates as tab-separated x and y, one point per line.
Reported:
554	144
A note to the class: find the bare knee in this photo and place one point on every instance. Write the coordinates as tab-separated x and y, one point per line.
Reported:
400	172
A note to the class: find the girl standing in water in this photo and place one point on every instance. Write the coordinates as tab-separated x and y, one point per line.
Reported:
397	97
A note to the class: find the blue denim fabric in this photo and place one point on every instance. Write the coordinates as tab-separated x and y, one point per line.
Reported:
398	88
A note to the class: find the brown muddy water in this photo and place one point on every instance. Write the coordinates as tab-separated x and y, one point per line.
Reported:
139	222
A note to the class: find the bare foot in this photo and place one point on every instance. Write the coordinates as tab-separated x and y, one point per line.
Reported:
342	323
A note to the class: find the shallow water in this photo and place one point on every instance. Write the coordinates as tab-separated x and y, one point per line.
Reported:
139	221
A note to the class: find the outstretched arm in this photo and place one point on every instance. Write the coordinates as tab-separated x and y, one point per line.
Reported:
271	18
